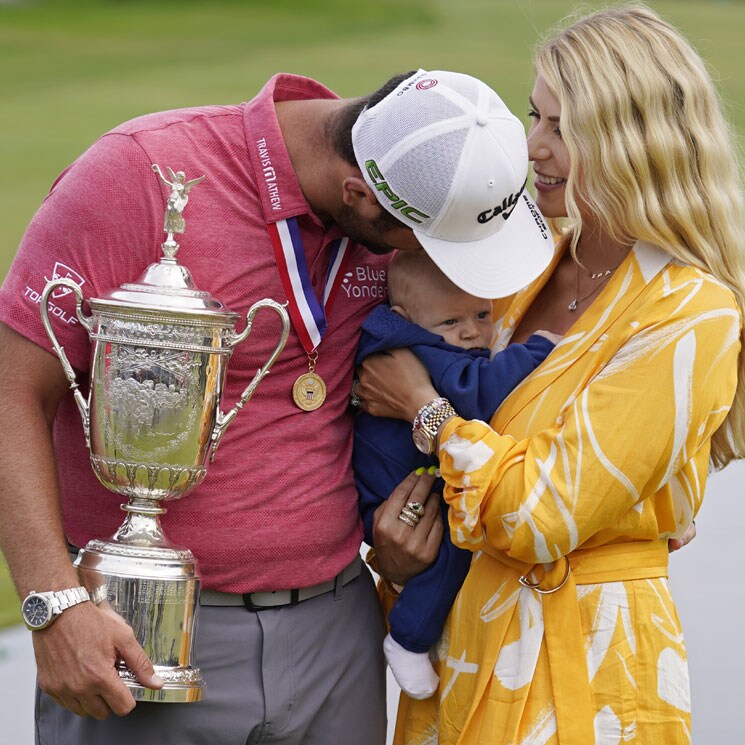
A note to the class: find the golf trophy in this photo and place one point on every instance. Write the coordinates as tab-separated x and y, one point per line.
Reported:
159	357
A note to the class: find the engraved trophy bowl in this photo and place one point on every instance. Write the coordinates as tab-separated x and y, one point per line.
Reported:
159	357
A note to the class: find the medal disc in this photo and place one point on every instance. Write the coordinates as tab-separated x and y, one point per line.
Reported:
309	391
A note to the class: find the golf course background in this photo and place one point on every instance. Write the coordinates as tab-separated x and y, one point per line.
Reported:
70	71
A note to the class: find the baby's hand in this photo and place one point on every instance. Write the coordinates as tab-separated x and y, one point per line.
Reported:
550	335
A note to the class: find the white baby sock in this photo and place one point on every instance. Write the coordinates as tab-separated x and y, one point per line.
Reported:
412	670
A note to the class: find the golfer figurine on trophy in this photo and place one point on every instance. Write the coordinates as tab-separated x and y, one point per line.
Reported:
159	357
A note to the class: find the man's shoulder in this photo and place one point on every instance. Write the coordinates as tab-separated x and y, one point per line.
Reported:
163	120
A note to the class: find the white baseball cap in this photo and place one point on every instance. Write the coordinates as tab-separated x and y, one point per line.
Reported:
445	156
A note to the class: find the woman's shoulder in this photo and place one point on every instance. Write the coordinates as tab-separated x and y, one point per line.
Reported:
685	286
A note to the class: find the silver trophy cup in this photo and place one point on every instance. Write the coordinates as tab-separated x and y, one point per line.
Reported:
159	356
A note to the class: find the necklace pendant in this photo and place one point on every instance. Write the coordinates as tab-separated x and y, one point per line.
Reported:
573	305
598	275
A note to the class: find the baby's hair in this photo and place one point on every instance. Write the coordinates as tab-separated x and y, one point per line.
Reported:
408	271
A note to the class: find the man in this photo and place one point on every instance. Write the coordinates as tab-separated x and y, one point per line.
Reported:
432	159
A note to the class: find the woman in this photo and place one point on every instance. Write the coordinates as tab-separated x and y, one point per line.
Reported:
565	630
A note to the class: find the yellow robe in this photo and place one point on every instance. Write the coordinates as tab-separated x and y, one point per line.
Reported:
603	455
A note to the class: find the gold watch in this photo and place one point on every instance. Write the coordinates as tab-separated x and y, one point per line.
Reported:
427	423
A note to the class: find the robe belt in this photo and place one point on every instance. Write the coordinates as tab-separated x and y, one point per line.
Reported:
565	643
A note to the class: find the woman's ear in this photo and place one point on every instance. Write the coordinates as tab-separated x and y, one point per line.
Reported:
360	197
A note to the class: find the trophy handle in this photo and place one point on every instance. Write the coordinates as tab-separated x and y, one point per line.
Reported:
223	420
87	322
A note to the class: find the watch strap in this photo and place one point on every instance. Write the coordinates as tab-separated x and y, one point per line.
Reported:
64	599
428	420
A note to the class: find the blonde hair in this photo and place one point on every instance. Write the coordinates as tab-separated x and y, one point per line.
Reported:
651	154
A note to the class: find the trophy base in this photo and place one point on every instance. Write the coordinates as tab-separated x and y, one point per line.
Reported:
155	589
179	686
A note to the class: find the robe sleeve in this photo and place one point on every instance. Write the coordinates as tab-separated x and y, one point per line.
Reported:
647	413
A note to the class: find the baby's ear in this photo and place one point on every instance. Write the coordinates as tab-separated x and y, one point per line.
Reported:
401	312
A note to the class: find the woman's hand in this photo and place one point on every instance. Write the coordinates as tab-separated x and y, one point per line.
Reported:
403	551
550	335
394	384
676	543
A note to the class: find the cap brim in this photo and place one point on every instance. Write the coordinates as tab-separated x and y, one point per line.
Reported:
505	262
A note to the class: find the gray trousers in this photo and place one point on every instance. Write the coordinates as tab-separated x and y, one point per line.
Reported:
309	674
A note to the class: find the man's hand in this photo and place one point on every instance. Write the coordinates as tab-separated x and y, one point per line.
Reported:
402	551
76	659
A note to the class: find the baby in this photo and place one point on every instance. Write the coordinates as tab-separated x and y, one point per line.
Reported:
450	332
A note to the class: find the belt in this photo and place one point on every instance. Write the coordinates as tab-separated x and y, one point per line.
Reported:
563	627
256	601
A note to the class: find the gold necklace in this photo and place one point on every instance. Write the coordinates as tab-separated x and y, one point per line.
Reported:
603	276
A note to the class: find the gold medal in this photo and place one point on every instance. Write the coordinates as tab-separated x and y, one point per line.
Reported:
309	391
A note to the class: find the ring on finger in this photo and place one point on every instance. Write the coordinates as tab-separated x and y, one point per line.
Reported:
410	514
404	518
416	507
354	399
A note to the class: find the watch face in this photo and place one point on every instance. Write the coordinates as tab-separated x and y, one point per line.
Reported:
37	612
422	441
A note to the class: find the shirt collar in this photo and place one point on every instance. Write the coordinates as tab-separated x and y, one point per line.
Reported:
279	191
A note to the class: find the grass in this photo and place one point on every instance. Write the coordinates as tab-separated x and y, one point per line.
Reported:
70	70
9	608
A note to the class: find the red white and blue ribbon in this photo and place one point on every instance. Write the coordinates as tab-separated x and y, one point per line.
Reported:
307	314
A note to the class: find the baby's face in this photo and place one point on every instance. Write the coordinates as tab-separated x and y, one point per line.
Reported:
461	319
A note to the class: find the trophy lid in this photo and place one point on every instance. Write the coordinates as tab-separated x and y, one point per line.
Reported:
166	286
163	286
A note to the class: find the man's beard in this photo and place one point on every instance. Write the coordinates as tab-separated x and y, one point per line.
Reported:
368	233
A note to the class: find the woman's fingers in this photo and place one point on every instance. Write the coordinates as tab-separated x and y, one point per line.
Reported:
677	543
415	487
394	384
404	549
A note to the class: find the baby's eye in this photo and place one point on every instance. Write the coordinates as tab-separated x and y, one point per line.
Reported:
450	322
483	315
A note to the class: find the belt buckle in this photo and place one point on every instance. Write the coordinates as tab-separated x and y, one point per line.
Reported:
250	605
525	582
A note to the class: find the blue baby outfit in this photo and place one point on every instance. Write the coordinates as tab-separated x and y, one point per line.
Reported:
384	453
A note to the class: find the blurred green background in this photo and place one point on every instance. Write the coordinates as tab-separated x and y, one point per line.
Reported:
70	70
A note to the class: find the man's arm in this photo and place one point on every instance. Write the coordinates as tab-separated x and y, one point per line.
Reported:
76	655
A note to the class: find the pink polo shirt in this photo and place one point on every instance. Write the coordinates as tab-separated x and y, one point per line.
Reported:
278	508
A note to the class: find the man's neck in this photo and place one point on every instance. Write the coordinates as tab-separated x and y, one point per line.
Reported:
318	167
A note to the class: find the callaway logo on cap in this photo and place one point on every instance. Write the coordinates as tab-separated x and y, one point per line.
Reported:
445	155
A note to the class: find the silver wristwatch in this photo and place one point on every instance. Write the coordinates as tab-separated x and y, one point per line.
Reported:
427	422
39	609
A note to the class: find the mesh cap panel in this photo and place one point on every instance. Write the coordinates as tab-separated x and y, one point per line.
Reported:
430	176
396	124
